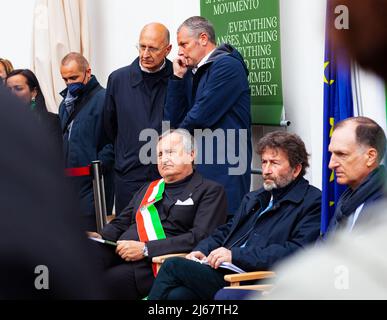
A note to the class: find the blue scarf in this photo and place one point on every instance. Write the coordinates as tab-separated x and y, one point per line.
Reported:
370	189
69	102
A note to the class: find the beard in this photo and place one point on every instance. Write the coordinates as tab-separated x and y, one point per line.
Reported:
277	182
268	186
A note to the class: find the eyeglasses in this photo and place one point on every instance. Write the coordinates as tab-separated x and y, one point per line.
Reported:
151	50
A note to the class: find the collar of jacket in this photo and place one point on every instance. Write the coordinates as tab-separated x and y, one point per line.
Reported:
295	193
225	49
93	82
135	73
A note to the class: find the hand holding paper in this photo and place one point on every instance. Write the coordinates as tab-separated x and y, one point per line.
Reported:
225	265
218	256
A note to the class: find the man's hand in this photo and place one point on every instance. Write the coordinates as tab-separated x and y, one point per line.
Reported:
195	254
130	250
217	256
179	66
93	234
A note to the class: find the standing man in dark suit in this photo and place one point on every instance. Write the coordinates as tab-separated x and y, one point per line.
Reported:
168	215
135	98
81	117
272	223
358	145
209	91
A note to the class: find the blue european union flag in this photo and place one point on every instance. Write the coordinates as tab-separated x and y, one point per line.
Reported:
338	105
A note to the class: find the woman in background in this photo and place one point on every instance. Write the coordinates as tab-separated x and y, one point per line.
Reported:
5	68
24	84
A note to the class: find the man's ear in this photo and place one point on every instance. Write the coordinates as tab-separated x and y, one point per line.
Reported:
203	39
297	169
88	74
372	155
168	49
193	155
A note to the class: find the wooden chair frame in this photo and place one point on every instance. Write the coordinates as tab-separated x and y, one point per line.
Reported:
234	279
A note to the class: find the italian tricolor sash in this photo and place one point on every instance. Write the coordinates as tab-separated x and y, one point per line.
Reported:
148	222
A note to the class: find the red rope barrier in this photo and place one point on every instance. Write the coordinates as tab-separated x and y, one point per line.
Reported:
78	172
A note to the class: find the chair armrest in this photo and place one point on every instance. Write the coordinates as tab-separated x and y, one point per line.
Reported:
159	260
257	287
235	279
110	218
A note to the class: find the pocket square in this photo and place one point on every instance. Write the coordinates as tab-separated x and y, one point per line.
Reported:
188	202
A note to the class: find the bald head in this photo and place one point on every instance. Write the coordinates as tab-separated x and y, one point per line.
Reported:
75	68
153	46
79	59
156	29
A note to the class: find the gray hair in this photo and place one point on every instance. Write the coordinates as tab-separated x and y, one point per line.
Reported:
198	25
187	139
368	133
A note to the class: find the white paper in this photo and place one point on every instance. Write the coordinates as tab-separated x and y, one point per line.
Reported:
225	265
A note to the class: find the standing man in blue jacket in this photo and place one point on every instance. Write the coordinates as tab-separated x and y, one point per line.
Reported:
210	90
81	118
271	224
135	98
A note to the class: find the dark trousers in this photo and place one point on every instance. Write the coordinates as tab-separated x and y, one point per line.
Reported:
236	294
120	276
183	279
89	223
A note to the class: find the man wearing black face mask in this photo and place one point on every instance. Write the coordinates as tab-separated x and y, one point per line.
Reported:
84	140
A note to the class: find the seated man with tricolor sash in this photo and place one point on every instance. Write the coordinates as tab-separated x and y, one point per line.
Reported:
168	215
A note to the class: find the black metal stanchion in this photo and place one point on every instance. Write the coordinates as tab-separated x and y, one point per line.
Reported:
99	195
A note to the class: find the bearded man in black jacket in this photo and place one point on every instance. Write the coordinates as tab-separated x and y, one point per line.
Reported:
270	224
